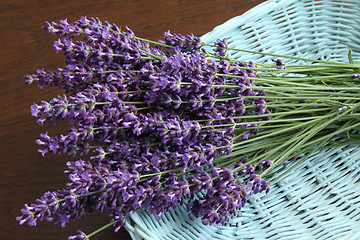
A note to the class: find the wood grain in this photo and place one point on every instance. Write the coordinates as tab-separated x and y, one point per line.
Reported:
24	174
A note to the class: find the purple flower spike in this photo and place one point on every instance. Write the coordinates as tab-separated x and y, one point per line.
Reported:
222	47
279	63
153	120
80	236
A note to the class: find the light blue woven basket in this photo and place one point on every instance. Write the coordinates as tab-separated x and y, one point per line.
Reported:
319	199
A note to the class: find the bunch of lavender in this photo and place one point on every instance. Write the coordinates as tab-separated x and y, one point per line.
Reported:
169	123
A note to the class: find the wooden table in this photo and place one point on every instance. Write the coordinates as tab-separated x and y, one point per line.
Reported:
24	174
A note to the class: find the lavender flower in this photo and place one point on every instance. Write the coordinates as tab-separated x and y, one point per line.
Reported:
222	47
187	43
279	63
154	118
222	200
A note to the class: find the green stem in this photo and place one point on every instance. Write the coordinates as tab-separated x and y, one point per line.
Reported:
310	131
153	42
278	55
157	57
309	87
321	146
101	229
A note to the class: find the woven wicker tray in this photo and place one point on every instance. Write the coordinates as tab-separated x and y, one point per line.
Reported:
319	199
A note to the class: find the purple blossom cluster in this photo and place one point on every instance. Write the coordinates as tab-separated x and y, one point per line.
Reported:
153	117
279	63
221	195
222	46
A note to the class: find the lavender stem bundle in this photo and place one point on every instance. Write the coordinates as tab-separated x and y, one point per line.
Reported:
171	122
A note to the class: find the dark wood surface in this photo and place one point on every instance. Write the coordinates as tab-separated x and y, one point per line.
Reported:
24	174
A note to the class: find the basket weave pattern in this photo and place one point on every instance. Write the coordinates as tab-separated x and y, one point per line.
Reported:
319	198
